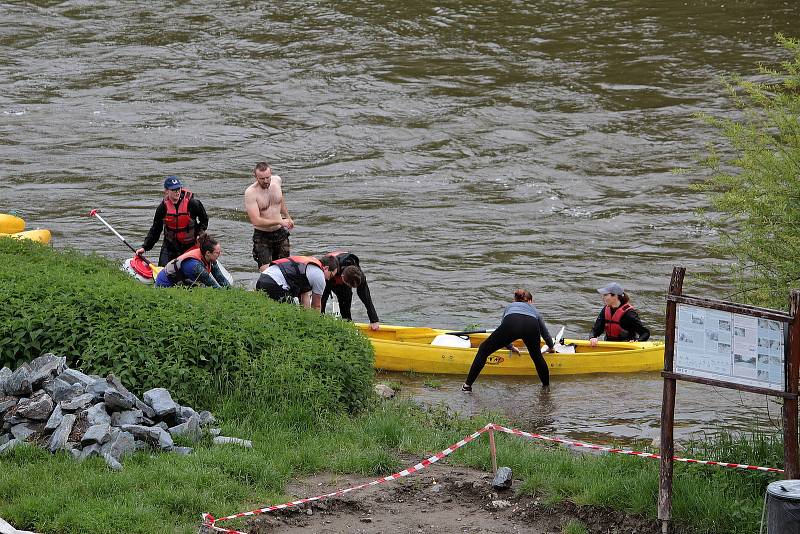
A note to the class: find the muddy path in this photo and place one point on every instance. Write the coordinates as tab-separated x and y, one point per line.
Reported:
442	499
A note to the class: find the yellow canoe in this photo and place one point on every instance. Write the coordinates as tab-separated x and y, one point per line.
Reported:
42	236
403	348
10	224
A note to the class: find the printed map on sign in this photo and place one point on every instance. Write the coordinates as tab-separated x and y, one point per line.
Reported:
730	347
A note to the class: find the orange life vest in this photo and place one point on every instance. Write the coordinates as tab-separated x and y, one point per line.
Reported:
173	268
294	271
179	224
613	328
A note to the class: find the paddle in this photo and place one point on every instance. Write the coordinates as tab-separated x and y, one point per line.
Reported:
155	268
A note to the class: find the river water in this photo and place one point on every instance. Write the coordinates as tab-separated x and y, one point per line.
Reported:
461	149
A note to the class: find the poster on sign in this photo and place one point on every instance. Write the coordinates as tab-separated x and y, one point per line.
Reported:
729	346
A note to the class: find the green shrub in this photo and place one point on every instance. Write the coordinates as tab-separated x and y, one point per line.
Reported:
199	343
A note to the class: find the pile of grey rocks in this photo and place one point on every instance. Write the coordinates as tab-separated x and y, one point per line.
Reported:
59	408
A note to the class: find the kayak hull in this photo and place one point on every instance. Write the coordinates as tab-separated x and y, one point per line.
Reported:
408	349
40	236
10	224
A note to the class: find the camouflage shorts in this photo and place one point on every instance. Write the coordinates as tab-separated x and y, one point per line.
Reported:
269	246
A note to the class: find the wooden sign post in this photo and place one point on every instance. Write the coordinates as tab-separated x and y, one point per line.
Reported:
724	344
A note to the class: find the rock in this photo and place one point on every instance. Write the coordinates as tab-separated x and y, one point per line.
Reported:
215	432
37	408
384	391
162	425
8	445
500	505
62	391
46	366
97	415
503	478
97	434
224	440
183	451
89	451
59	438
6	528
148	412
366	520
116	401
6	403
26	431
98	389
73	376
5	372
120	445
77	403
206	418
190	429
161	402
165	440
153	435
186	413
19	383
130	417
112	462
55	419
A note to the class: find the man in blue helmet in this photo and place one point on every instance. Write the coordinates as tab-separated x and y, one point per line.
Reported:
182	218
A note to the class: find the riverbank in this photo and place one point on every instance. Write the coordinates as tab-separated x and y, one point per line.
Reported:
296	384
54	494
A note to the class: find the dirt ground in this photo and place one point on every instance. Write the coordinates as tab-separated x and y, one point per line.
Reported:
440	499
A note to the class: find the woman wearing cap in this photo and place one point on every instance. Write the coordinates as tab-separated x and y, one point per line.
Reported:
618	319
181	216
520	321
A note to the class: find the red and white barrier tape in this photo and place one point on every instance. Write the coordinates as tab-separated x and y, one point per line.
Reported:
210	521
641	454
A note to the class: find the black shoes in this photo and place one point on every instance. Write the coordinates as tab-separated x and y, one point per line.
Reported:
465	387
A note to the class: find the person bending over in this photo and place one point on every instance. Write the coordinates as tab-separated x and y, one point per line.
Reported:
520	321
350	277
303	277
196	267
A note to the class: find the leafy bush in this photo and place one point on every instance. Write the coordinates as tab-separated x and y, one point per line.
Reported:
198	343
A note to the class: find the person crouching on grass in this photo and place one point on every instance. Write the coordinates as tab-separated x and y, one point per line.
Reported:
520	321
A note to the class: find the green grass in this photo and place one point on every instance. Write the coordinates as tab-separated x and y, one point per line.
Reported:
574	527
157	493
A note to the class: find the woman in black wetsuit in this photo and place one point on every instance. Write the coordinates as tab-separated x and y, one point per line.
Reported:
618	319
520	321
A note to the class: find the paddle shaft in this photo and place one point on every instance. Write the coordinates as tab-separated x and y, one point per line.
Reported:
95	213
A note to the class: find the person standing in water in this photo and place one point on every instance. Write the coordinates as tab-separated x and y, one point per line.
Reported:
520	321
182	218
618	319
266	209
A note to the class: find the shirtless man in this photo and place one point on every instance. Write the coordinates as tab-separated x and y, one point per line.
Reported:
263	201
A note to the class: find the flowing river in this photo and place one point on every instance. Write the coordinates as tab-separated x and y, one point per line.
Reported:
460	148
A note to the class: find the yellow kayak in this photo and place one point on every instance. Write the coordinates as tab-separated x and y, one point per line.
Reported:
403	348
10	224
41	236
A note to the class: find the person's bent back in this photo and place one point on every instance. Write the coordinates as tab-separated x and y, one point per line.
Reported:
196	267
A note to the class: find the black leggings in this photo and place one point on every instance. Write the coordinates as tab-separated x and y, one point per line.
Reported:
515	326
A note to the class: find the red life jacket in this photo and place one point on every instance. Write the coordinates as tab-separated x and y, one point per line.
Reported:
614	332
294	271
179	224
173	268
346	259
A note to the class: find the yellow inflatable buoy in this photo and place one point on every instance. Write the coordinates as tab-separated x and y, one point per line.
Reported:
41	236
10	224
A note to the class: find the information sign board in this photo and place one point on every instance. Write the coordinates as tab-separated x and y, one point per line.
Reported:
732	347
